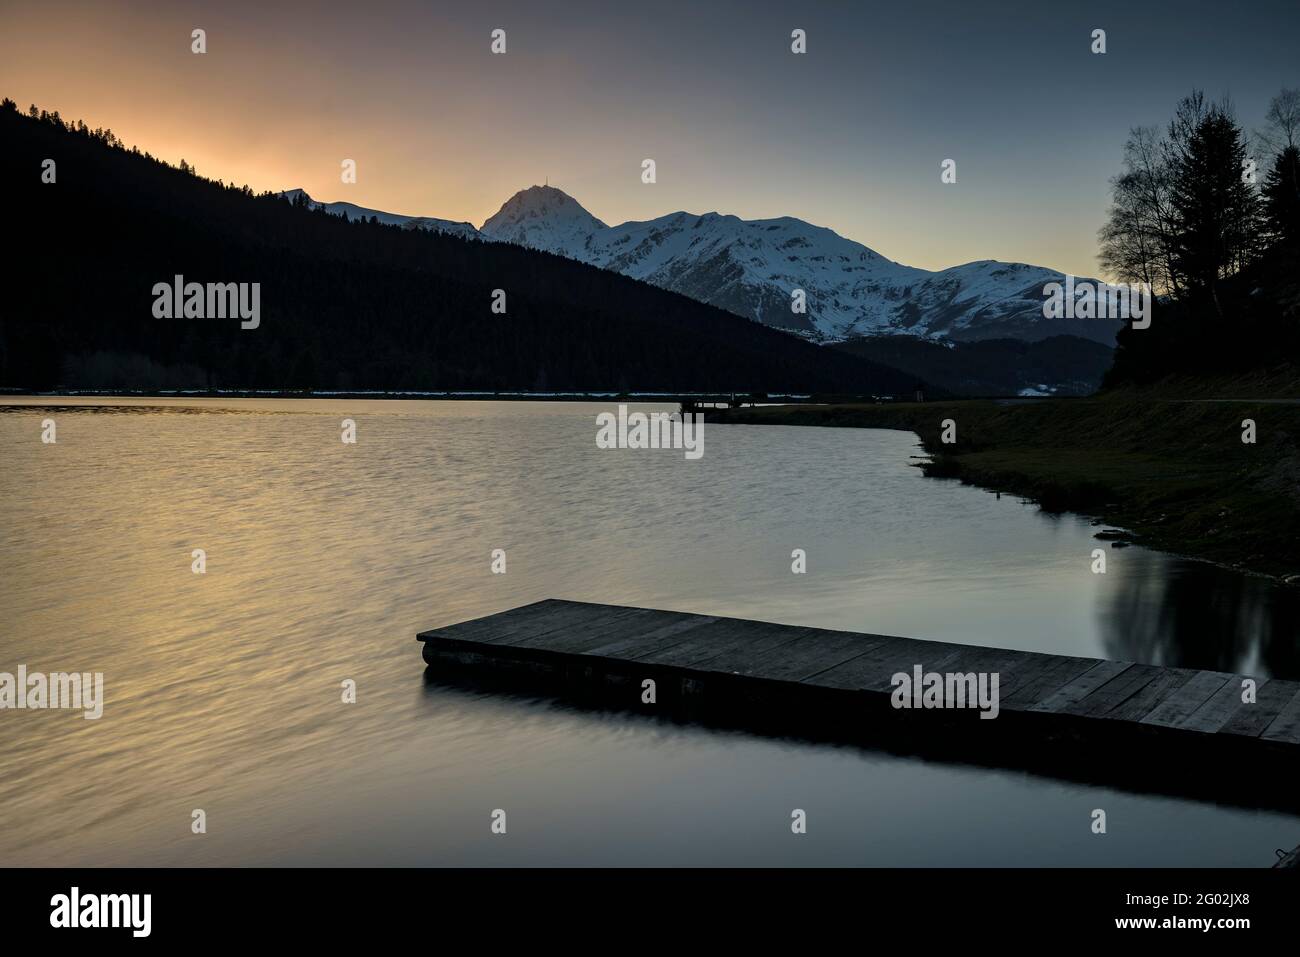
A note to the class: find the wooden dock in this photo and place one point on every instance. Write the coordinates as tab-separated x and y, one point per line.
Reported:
1152	726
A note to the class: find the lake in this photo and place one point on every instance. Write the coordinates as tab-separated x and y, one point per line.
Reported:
323	560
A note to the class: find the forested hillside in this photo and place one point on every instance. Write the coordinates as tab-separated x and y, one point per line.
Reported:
343	305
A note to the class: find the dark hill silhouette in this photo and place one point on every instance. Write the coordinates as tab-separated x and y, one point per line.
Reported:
1068	365
343	305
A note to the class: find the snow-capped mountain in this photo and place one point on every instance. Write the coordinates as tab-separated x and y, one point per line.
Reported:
544	217
753	267
352	211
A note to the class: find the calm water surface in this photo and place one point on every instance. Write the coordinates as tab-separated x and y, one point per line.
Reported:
324	560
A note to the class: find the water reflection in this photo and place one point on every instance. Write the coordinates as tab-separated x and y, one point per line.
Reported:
1190	614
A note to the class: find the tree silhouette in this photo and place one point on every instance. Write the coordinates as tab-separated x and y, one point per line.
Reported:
1185	212
1216	215
1281	123
1282	196
1136	241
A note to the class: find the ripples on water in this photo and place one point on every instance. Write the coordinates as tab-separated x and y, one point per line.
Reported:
324	560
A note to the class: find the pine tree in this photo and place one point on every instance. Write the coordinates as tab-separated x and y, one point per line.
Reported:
1217	221
1282	196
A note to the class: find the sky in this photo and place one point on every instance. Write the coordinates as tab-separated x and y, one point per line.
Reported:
850	135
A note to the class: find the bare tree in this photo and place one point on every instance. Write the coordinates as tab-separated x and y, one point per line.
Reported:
1136	239
1281	123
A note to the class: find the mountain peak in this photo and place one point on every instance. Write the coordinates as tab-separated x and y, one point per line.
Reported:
542	198
544	217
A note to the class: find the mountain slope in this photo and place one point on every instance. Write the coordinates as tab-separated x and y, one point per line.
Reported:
344	303
750	268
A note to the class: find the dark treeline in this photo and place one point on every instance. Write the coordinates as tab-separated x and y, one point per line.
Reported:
343	305
992	367
1212	221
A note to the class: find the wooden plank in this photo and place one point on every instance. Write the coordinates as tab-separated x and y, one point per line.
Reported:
1217	710
702	645
571	635
1286	726
945	658
551	623
874	653
806	647
1040	683
635	643
1114	692
1013	668
868	665
875	669
1173	710
819	650
1164	685
739	656
1082	686
1250	720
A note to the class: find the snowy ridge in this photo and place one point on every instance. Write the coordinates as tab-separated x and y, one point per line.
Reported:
351	211
752	267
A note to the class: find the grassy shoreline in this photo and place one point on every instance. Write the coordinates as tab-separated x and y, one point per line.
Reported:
1172	471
